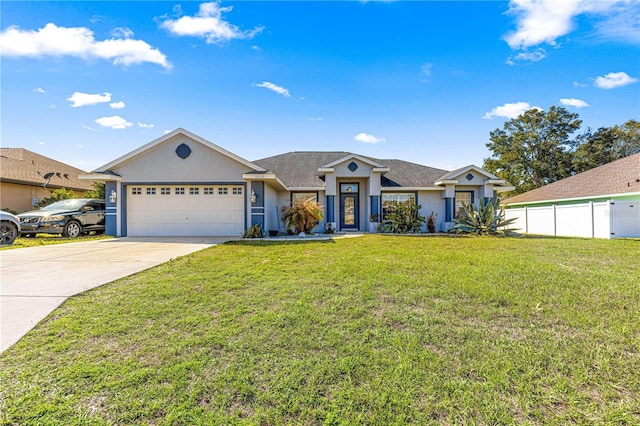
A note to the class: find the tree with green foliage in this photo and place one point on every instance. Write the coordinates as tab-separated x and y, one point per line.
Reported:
534	149
607	144
98	191
57	195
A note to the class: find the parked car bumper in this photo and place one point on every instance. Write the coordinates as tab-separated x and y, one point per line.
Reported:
43	227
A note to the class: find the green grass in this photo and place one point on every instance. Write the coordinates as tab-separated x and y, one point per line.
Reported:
376	330
49	239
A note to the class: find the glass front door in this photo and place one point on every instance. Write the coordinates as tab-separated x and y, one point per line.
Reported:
349	206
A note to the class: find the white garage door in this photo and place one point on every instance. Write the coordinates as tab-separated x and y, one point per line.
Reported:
185	210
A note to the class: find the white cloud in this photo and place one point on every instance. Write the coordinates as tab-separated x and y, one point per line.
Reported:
117	105
315	118
122	32
39	90
578	103
367	138
79	42
145	126
426	69
79	99
622	23
534	56
52	106
540	21
545	21
274	87
114	122
613	80
209	24
509	110
578	84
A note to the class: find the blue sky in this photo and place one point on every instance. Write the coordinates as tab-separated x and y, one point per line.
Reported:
86	82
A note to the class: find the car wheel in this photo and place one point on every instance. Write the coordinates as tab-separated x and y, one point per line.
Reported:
8	233
72	230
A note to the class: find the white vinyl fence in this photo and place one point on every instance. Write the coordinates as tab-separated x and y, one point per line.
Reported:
607	219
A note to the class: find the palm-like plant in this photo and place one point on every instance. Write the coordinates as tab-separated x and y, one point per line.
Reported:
302	216
487	219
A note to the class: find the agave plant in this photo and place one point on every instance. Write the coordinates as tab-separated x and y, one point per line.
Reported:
487	219
302	216
255	231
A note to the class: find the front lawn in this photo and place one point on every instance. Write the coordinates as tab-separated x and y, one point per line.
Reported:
50	239
371	330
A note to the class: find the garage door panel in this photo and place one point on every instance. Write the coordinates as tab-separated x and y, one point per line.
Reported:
177	212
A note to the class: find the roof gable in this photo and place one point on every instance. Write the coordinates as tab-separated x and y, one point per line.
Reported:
351	157
618	177
463	171
161	140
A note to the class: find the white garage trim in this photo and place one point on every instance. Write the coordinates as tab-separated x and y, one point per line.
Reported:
202	209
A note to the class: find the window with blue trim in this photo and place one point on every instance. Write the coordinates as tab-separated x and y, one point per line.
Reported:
303	197
391	200
462	197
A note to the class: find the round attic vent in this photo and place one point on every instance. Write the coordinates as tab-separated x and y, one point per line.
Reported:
183	150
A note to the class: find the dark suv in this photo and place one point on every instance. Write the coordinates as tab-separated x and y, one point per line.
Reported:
67	217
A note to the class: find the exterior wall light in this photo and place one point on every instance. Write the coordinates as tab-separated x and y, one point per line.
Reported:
113	196
254	196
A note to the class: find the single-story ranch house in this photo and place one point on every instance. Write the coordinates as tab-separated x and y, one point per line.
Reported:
183	185
26	178
603	202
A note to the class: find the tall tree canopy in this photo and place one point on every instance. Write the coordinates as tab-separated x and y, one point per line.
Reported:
607	144
535	148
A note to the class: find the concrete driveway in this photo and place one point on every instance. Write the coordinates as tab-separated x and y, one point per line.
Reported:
34	281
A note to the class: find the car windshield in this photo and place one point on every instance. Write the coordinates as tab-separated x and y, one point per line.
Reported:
72	204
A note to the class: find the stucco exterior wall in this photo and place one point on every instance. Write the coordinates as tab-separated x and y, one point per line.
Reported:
271	208
162	164
432	202
19	197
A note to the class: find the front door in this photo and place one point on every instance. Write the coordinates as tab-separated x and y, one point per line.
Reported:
349	201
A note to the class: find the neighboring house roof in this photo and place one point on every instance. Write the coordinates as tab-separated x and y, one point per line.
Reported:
618	177
300	169
19	165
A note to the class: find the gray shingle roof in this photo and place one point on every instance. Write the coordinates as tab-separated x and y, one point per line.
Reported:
300	169
19	165
618	177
